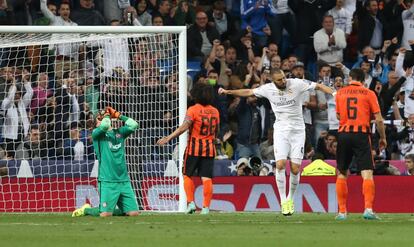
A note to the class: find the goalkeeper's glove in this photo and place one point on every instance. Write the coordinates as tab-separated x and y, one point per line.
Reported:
114	113
102	114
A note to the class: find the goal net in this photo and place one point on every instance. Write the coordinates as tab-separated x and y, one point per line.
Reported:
54	80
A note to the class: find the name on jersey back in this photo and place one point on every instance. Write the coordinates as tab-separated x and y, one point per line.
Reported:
355	91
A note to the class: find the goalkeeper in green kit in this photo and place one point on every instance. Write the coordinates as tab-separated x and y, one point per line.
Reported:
114	185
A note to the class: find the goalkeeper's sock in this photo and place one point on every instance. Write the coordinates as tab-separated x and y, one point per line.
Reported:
189	188
281	184
341	193
293	185
207	192
92	211
368	189
118	212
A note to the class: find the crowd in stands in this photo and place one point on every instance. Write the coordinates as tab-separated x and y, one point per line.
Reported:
49	94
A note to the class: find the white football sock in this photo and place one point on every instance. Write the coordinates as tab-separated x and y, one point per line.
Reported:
293	185
281	184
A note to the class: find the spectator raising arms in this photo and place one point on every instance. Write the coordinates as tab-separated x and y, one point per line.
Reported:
254	14
16	122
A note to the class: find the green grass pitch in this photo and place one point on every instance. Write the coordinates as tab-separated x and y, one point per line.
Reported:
216	229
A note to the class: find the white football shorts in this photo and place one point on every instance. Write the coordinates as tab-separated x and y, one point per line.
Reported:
289	144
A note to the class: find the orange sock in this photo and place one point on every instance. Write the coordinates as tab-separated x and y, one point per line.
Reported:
341	193
189	188
368	189
207	192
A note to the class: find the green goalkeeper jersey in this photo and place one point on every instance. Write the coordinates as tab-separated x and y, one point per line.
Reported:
109	148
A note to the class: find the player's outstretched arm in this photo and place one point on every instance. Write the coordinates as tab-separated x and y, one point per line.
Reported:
183	128
324	88
238	92
46	12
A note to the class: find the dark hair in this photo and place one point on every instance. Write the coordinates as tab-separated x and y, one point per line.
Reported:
392	54
338	73
202	94
365	61
272	43
211	71
66	75
231	48
327	16
277	71
247	171
332	133
219	5
357	74
201	11
368	3
254	83
19	89
74	125
407	2
65	2
292	55
34	127
157	16
322	64
409	157
138	2
162	1
408	60
318	156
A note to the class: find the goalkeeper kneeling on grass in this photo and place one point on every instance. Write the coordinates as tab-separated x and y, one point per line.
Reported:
113	181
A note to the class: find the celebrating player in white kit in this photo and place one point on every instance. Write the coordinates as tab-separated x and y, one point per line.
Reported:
285	96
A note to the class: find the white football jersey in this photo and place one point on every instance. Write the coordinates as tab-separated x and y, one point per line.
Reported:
287	103
333	120
307	115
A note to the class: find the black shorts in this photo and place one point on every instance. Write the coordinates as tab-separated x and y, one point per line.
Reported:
198	166
357	146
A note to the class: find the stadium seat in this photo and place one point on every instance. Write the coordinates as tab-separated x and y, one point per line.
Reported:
165	65
193	67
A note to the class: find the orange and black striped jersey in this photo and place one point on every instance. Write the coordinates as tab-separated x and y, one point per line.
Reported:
355	105
205	123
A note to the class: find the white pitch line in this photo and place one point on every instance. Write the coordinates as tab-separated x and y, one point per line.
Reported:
30	224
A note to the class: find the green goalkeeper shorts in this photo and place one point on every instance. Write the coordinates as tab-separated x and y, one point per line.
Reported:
112	194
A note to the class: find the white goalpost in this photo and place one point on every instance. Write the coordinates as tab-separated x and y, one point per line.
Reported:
55	79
